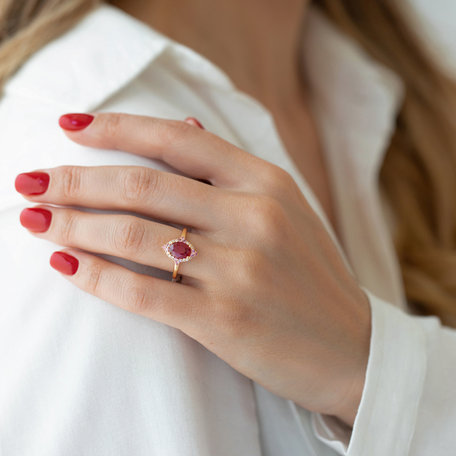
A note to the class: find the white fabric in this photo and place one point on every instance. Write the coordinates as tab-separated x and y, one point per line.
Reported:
82	377
436	22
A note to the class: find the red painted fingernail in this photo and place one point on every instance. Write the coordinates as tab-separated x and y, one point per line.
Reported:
195	122
64	263
32	183
36	219
74	122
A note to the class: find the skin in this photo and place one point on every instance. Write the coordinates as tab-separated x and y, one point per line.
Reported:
257	44
267	292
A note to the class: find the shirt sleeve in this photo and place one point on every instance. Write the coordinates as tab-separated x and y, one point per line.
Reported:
408	405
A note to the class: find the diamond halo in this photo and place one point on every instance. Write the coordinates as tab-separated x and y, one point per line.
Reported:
168	250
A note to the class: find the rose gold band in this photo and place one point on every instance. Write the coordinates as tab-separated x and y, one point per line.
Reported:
179	250
176	265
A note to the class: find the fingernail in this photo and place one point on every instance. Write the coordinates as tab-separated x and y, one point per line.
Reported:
195	122
74	122
64	263
32	183
36	219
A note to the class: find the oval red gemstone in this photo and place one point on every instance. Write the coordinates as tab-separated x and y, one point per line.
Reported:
180	250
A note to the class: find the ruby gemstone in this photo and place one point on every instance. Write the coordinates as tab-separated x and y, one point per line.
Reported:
180	250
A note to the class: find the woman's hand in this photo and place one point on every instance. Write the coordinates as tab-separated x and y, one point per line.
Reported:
268	291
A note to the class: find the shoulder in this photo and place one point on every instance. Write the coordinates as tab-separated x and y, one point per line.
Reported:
90	62
79	71
108	62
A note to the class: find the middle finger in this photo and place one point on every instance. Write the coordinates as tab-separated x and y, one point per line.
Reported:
163	195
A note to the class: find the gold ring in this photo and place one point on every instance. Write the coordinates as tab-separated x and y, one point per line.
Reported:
179	250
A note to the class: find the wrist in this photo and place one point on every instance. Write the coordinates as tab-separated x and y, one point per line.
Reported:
348	410
349	403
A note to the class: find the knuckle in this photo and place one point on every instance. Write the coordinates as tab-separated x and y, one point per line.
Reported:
138	182
129	236
249	267
175	132
70	181
93	278
277	180
265	216
277	175
67	228
245	269
234	318
138	299
111	124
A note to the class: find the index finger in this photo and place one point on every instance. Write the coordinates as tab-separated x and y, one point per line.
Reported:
183	146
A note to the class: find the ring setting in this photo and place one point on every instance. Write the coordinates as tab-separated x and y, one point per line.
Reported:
179	250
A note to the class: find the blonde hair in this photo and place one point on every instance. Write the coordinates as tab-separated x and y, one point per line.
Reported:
418	174
27	25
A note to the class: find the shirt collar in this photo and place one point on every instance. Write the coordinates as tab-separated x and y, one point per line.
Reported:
108	48
355	97
96	58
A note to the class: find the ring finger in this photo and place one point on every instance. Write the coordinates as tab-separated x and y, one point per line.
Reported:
124	236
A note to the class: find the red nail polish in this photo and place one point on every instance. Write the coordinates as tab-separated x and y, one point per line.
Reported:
32	183
195	122
75	122
64	263
36	219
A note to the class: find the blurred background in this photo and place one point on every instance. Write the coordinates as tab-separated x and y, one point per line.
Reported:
438	23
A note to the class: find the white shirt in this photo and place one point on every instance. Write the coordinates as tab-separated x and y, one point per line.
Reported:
80	376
